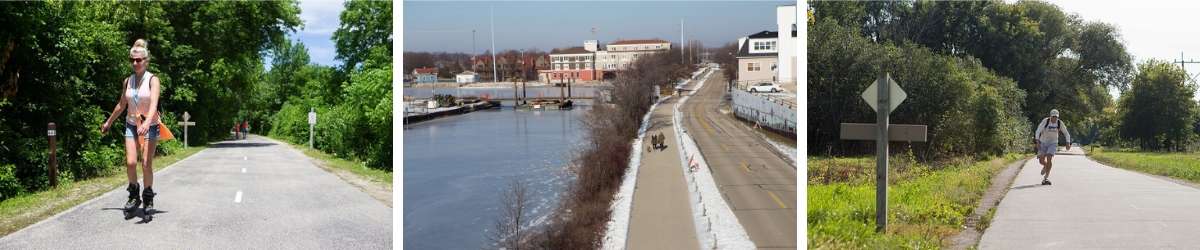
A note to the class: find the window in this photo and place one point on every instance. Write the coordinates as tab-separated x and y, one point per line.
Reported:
752	67
764	45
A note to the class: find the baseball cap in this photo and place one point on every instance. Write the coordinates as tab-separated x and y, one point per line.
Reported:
1054	112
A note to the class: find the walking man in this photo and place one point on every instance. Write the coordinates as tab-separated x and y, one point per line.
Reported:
1046	141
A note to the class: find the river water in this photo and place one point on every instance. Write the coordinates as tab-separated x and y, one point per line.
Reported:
456	168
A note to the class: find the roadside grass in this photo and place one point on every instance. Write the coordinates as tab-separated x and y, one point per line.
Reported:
24	210
927	203
1179	165
357	168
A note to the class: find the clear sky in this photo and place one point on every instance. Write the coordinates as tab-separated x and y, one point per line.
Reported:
320	20
445	26
1150	28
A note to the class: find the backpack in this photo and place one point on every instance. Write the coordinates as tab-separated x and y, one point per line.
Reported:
1044	127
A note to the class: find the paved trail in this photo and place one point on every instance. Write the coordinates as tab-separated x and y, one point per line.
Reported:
1092	205
254	193
662	215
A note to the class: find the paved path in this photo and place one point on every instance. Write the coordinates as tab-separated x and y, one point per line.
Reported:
242	194
661	217
1092	205
758	183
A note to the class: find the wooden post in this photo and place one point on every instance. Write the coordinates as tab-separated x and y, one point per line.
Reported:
881	155
50	131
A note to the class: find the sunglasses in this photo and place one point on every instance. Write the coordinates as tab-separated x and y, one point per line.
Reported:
137	60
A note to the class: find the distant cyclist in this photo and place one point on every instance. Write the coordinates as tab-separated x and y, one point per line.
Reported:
1046	141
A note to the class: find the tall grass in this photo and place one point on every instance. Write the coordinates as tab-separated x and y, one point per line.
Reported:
1180	165
927	203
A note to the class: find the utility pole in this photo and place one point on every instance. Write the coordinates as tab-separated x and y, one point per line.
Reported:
682	55
1182	62
594	58
495	74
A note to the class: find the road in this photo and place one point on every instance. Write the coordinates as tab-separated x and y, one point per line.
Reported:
661	217
1092	205
254	193
758	183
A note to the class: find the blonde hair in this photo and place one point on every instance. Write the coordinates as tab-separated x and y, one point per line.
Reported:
139	47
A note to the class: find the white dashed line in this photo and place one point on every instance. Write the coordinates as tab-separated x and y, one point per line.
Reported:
238	198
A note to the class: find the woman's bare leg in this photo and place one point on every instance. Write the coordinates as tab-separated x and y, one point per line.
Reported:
131	159
148	163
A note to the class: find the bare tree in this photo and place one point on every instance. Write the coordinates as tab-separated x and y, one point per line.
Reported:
507	233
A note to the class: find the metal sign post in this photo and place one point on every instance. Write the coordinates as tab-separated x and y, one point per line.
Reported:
312	120
185	125
884	95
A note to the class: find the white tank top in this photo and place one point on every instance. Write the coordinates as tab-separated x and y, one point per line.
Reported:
137	92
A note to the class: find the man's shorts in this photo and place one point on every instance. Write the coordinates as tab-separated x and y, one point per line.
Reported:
131	130
1044	149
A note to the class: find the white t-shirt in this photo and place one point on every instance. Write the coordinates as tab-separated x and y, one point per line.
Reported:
1048	133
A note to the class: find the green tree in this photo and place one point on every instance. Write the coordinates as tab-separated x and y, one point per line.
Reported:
365	24
969	109
64	62
1158	111
1059	60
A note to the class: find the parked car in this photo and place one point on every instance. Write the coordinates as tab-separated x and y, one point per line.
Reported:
765	87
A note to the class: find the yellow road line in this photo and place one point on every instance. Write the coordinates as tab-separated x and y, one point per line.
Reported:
776	198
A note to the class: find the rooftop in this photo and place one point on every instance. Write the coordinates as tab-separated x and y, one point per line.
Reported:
571	50
638	41
765	34
425	70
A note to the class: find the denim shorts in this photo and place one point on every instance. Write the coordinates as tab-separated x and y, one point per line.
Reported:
131	130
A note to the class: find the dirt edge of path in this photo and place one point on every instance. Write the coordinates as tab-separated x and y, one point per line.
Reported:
973	227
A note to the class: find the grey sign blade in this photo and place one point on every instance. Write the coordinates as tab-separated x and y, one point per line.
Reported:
896	132
871	95
895	94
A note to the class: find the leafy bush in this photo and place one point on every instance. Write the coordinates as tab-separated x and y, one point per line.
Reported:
968	109
9	185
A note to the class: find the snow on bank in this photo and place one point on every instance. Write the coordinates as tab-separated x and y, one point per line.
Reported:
789	151
716	225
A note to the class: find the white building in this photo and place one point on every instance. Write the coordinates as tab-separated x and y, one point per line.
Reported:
785	19
758	58
577	62
467	77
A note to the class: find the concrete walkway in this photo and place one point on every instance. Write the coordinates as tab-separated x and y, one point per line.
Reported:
242	194
1092	205
661	217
